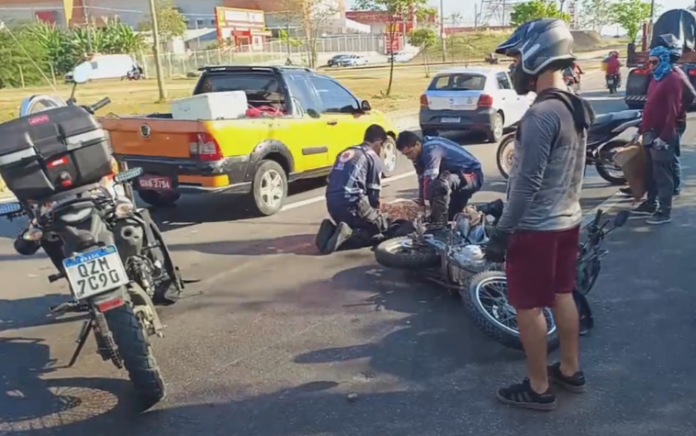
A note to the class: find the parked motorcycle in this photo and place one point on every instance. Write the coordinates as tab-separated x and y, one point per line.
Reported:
455	259
602	145
115	259
612	83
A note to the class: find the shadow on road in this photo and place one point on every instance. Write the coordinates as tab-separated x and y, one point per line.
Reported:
301	245
32	405
32	312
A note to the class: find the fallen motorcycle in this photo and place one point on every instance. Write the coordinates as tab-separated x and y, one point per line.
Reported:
455	259
115	259
602	145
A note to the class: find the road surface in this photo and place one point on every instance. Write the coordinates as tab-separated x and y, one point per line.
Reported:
276	340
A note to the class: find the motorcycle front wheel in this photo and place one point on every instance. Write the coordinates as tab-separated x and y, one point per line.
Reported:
485	299
505	154
404	253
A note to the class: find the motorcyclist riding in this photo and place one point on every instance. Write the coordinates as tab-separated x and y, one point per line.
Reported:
353	196
448	175
614	67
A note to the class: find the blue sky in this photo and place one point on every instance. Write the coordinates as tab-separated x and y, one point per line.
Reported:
465	8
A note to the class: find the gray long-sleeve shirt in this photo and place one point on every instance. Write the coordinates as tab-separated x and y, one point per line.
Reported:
545	182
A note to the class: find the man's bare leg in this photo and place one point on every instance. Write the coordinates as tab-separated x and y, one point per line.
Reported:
533	329
567	320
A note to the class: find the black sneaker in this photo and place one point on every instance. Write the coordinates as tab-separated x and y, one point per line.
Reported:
676	193
659	218
326	231
626	191
645	208
523	396
575	383
340	236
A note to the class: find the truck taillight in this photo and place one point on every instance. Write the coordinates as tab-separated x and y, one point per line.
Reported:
485	101
424	100
692	72
204	147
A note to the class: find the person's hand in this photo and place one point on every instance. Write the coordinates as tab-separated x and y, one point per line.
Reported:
497	246
659	144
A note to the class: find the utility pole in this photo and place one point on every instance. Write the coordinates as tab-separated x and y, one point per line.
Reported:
442	31
156	52
88	20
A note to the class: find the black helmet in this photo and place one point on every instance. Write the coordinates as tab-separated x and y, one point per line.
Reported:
673	44
540	44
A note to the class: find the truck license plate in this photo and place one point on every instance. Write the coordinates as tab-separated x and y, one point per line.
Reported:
451	120
156	183
95	272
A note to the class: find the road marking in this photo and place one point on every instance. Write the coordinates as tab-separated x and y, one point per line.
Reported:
606	206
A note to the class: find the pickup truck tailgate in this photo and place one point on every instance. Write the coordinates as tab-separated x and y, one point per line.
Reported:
151	137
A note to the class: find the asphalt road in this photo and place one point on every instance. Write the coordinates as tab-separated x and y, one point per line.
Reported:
274	338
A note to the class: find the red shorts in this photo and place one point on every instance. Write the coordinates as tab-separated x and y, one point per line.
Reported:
539	265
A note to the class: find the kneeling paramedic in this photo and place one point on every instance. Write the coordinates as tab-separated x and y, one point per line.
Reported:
448	175
352	196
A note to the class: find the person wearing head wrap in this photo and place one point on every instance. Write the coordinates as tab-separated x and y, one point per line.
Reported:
663	109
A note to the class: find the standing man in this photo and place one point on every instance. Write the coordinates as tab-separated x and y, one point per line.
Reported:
353	195
448	175
538	233
660	130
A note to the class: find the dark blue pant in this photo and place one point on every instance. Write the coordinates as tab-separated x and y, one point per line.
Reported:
361	216
660	177
677	162
450	193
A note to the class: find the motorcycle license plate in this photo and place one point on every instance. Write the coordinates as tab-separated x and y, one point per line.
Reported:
610	81
95	272
156	183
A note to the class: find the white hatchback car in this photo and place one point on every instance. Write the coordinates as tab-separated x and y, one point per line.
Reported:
472	99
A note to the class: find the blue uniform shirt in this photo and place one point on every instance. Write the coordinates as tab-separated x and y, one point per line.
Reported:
356	173
439	155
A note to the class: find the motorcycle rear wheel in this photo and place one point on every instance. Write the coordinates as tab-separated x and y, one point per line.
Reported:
485	300
605	171
403	253
136	353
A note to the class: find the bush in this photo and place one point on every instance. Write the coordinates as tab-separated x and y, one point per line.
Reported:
29	50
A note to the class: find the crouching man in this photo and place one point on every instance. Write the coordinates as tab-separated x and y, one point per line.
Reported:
448	175
353	196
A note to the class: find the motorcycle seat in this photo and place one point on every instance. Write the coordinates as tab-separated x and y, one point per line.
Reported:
617	116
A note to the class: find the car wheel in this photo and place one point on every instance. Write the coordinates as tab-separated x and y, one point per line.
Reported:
159	198
269	188
496	131
389	156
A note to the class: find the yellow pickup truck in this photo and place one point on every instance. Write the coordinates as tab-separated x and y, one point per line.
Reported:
299	122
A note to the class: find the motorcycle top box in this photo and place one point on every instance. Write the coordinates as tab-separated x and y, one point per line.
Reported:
52	151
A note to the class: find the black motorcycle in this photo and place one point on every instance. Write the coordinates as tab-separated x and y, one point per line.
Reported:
113	255
601	145
613	83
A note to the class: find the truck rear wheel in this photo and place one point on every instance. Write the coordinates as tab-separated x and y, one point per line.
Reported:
269	188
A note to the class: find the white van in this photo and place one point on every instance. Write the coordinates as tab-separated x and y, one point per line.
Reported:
114	66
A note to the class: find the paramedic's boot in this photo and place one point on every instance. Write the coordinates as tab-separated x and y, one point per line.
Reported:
326	231
341	235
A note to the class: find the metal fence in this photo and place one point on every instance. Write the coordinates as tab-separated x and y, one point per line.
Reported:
273	53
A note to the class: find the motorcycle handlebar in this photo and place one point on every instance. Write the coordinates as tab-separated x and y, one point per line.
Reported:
100	104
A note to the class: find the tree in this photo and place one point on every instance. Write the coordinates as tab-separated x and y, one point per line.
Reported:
312	17
595	14
630	14
25	62
535	9
424	39
455	19
396	11
170	22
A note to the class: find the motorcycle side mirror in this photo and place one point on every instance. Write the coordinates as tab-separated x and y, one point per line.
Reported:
621	218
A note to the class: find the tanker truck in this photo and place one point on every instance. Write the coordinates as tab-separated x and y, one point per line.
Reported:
679	22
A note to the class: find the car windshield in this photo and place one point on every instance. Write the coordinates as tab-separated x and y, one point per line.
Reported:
458	82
